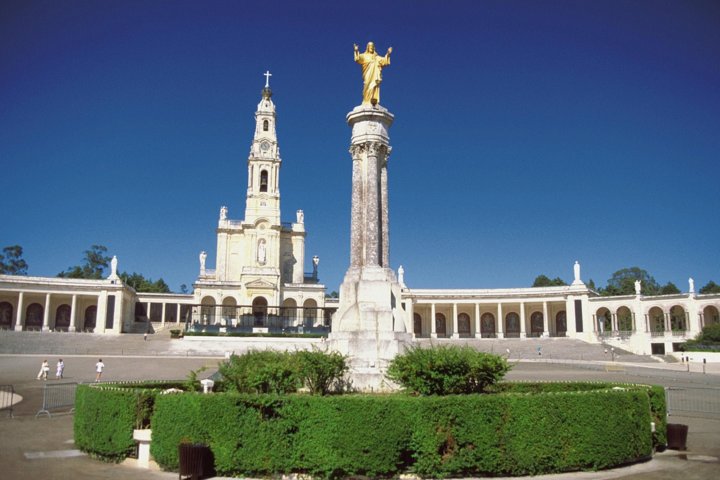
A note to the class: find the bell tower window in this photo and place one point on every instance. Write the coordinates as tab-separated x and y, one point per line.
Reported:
266	125
264	181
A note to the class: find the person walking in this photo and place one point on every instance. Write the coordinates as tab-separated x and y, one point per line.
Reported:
44	369
60	369
99	366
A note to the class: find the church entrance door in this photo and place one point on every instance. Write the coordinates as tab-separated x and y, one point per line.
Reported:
259	307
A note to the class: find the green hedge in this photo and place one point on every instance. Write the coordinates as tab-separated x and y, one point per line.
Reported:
383	435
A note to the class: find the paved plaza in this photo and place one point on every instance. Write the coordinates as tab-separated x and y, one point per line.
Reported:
33	448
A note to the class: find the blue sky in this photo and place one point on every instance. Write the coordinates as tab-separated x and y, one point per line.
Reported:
528	134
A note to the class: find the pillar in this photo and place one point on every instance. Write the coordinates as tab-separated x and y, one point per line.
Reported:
19	313
46	314
177	317
477	321
456	333
384	214
500	323
546	331
162	319
522	320
433	326
356	215
372	208
410	309
101	312
73	314
118	313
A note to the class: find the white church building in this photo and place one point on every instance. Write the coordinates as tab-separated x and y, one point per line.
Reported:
258	285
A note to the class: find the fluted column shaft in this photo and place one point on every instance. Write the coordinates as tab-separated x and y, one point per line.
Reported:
384	211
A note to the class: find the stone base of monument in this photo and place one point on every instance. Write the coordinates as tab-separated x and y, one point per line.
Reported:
369	354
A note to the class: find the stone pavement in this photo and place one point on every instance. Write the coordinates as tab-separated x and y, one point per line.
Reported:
42	448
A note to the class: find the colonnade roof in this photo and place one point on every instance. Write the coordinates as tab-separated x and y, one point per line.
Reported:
498	294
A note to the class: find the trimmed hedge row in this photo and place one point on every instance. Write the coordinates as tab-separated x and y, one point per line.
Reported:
521	429
464	435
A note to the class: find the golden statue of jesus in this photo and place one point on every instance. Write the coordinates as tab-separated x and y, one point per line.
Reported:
372	65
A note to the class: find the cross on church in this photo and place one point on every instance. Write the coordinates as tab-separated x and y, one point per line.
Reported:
267	78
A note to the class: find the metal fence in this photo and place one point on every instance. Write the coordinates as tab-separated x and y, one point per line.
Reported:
57	395
7	395
695	400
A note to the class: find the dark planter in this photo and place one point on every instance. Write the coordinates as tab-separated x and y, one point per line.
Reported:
195	460
677	436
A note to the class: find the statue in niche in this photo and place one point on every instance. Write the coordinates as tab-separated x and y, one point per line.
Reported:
261	253
223	212
203	257
300	216
372	65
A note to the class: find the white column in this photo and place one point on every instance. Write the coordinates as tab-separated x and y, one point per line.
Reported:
177	317
522	319
477	321
118	313
46	314
19	313
570	316
456	333
372	207
410	309
433	330
546	331
73	314
500	323
162	320
614	323
101	312
148	310
356	213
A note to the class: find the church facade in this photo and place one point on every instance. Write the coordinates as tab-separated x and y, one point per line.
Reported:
258	284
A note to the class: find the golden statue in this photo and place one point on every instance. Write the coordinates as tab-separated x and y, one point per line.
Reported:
372	65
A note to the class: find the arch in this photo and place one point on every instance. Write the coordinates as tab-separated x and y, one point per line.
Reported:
310	312
288	311
678	319
464	325
6	315
62	317
604	320
561	323
512	325
266	125
656	319
90	318
417	324
487	325
536	324
229	310
624	319
440	325
34	317
259	310
207	310
263	181
710	315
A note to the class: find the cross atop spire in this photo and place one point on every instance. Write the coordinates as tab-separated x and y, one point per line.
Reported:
267	75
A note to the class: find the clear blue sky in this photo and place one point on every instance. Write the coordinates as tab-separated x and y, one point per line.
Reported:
528	134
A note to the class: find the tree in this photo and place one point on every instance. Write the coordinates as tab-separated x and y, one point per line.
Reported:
622	282
96	262
669	289
333	294
141	284
710	287
544	281
11	261
183	288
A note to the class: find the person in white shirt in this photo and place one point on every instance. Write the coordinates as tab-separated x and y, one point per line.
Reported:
99	366
59	370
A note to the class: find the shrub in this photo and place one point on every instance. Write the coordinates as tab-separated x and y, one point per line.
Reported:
320	372
261	371
446	370
706	341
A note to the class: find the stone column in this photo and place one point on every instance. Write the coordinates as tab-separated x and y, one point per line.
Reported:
118	313
455	333
19	313
162	319
500	323
356	214
522	320
545	319
73	314
410	309
477	321
101	313
177	317
433	326
372	207
46	314
385	213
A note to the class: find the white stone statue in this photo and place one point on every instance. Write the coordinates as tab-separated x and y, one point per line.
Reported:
316	262
113	268
223	212
691	284
401	276
638	286
576	272
261	252
203	257
300	216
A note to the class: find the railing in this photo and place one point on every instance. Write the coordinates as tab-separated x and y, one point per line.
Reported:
7	394
698	400
57	395
657	333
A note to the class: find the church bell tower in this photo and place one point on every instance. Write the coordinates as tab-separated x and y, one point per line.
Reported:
263	193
